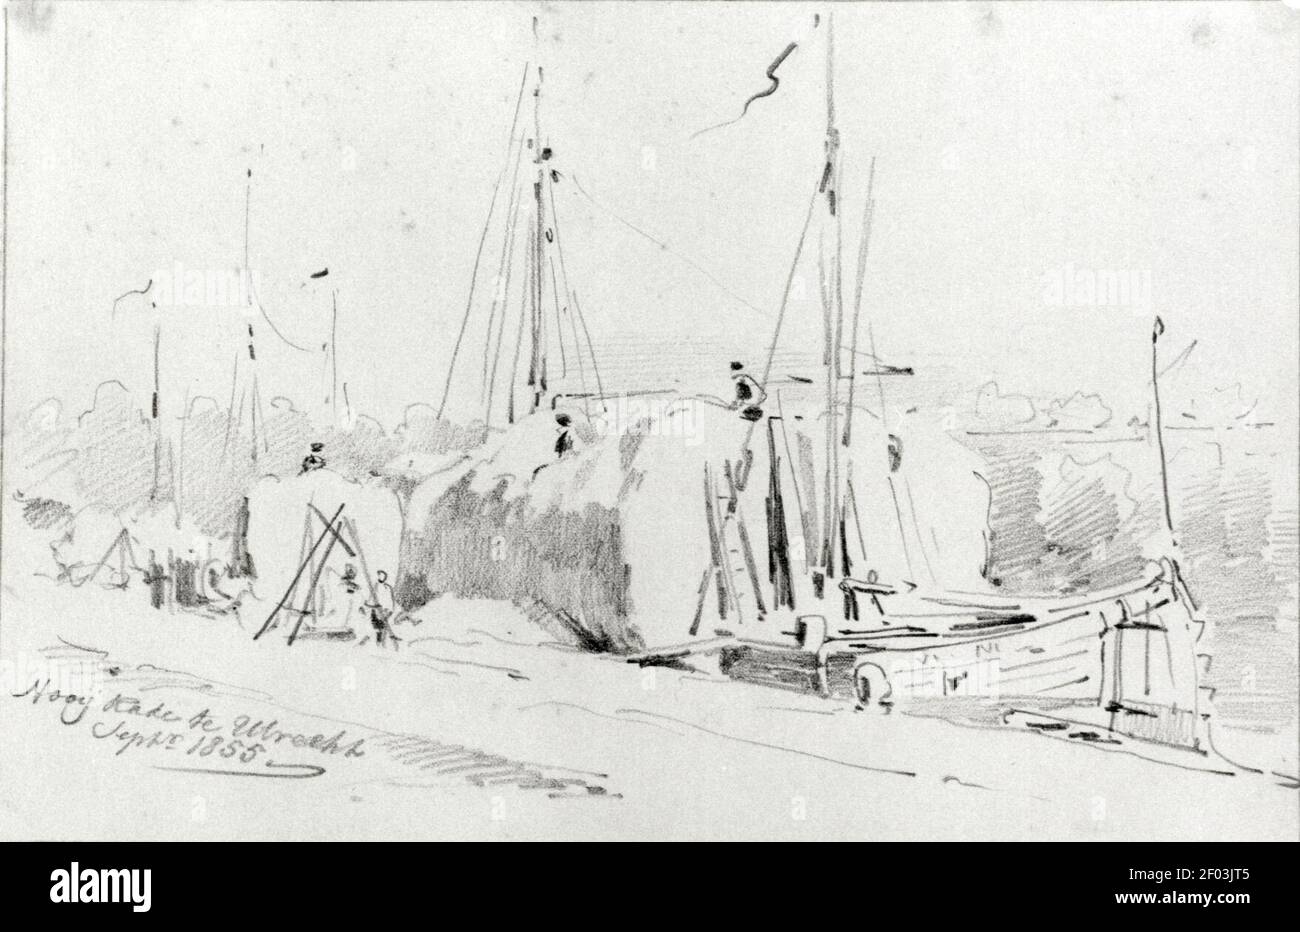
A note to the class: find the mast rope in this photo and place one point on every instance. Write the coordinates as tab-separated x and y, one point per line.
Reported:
469	301
503	265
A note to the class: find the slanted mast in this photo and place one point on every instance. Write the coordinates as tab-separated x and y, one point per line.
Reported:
829	555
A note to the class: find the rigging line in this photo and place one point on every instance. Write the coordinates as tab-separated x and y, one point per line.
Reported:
1157	330
577	349
865	354
519	342
880	379
242	395
857	517
253	298
478	255
825	297
230	411
1181	357
871	346
559	323
902	534
564	271
785	301
252	414
505	303
501	328
261	415
492	309
591	352
668	249
503	269
785	295
256	301
789	456
555	221
516	144
867	211
916	526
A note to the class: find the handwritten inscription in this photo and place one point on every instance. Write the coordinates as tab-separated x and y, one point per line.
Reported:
130	724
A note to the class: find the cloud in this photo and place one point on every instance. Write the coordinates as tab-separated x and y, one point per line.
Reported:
999	411
1078	412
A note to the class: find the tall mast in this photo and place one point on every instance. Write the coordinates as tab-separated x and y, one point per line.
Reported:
540	259
157	432
834	313
255	399
536	298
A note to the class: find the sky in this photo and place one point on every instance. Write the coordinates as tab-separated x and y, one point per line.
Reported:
1022	151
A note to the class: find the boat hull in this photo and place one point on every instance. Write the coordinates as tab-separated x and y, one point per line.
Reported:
1062	660
1126	655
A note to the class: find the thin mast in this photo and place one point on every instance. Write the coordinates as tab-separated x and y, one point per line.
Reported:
157	432
536	298
1157	329
818	189
829	186
255	401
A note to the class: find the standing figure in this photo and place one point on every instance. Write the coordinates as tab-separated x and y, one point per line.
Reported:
313	460
339	596
156	579
381	609
749	394
564	442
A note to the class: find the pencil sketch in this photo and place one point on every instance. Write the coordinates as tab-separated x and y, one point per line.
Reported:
512	421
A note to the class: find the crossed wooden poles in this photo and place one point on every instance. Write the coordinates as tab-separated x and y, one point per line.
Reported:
335	529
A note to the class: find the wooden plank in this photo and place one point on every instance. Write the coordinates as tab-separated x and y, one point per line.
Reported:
748	552
676	651
699	601
715	546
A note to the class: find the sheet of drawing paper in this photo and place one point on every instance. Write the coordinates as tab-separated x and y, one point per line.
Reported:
650	421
